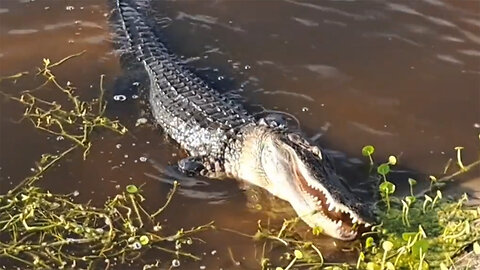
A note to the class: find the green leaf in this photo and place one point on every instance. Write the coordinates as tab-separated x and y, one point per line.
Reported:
392	160
387	187
390	266
144	240
368	150
298	254
383	169
408	235
439	194
476	248
317	230
132	189
422	245
412	181
410	199
369	242
387	246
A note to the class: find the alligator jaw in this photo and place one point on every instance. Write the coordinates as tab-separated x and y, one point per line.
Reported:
337	220
290	168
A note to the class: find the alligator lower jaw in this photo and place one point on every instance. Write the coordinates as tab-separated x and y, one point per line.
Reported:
346	222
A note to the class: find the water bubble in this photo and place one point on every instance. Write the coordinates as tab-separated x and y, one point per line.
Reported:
134	96
118	146
135	83
220	78
119	98
203	267
60	138
175	263
247	67
76	193
141	121
136	246
143	159
69	8
304	109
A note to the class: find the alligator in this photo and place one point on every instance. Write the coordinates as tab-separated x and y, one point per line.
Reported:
223	139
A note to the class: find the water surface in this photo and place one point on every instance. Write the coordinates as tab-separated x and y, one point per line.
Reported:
401	75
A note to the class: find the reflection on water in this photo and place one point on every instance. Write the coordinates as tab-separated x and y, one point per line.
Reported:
401	75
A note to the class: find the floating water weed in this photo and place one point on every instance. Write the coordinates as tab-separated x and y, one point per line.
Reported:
43	230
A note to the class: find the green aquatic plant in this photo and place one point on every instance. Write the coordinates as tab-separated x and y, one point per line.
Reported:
47	230
44	230
424	230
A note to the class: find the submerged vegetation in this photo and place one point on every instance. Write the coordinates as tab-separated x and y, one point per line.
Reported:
39	229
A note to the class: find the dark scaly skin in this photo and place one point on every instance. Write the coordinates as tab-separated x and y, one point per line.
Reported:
193	114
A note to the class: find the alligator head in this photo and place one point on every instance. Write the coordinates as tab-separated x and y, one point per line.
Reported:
289	167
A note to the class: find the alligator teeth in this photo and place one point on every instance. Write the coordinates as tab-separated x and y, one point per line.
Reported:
354	220
331	207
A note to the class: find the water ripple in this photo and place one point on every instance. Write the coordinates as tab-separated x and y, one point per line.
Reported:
327	72
22	31
305	22
206	20
449	59
331	10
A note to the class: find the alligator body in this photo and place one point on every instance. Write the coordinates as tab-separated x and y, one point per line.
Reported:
224	140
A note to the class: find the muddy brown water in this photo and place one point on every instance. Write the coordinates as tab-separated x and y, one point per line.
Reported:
401	75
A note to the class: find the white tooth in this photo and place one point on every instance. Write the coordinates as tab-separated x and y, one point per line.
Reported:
337	209
331	207
354	220
368	224
340	223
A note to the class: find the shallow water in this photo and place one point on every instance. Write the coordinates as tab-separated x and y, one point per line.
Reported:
403	76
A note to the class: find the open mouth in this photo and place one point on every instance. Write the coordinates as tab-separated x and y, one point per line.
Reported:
346	222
